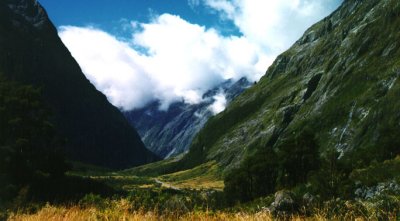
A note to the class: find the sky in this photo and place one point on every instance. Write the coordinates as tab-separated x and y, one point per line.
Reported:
139	51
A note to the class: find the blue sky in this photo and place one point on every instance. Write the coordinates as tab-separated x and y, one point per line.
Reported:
108	14
138	51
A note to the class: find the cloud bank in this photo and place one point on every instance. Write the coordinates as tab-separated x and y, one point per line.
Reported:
170	59
273	24
219	104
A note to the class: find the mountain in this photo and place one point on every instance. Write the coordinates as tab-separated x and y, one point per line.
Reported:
323	120
339	81
170	132
32	53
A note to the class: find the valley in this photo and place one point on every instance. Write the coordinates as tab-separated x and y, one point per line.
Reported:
188	195
316	138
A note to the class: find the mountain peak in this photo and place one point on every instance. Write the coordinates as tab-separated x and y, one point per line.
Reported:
30	10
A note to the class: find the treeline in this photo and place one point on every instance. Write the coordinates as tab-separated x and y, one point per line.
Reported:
270	170
299	164
32	164
29	145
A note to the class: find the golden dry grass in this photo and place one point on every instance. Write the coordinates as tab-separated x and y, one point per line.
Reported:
92	214
122	213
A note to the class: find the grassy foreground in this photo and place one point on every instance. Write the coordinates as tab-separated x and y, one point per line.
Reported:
125	209
121	211
76	213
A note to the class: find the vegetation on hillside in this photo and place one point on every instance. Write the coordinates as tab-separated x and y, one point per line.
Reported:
29	146
32	164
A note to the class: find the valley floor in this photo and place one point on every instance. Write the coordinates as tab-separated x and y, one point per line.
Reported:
194	194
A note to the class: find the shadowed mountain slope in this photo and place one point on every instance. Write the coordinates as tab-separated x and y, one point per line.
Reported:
32	53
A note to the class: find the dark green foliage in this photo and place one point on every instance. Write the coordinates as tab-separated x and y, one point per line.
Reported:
172	201
67	189
29	145
331	180
266	171
256	177
378	172
297	157
27	137
32	165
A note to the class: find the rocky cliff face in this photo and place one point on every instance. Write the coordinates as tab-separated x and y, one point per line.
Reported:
32	53
339	82
170	132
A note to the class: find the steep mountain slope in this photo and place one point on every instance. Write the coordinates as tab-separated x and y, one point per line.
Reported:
338	83
32	53
169	133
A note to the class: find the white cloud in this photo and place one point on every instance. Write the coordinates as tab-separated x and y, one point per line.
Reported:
273	24
111	65
182	61
170	59
219	104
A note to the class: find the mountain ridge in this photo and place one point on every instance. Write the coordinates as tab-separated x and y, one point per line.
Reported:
169	132
97	132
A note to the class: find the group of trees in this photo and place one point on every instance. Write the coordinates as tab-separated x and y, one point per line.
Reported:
270	169
29	145
298	162
254	178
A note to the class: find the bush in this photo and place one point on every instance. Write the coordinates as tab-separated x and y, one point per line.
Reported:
93	200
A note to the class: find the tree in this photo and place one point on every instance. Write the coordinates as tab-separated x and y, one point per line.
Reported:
255	177
297	157
29	145
265	171
332	178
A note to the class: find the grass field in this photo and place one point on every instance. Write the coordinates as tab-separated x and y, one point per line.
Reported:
76	213
121	211
205	176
